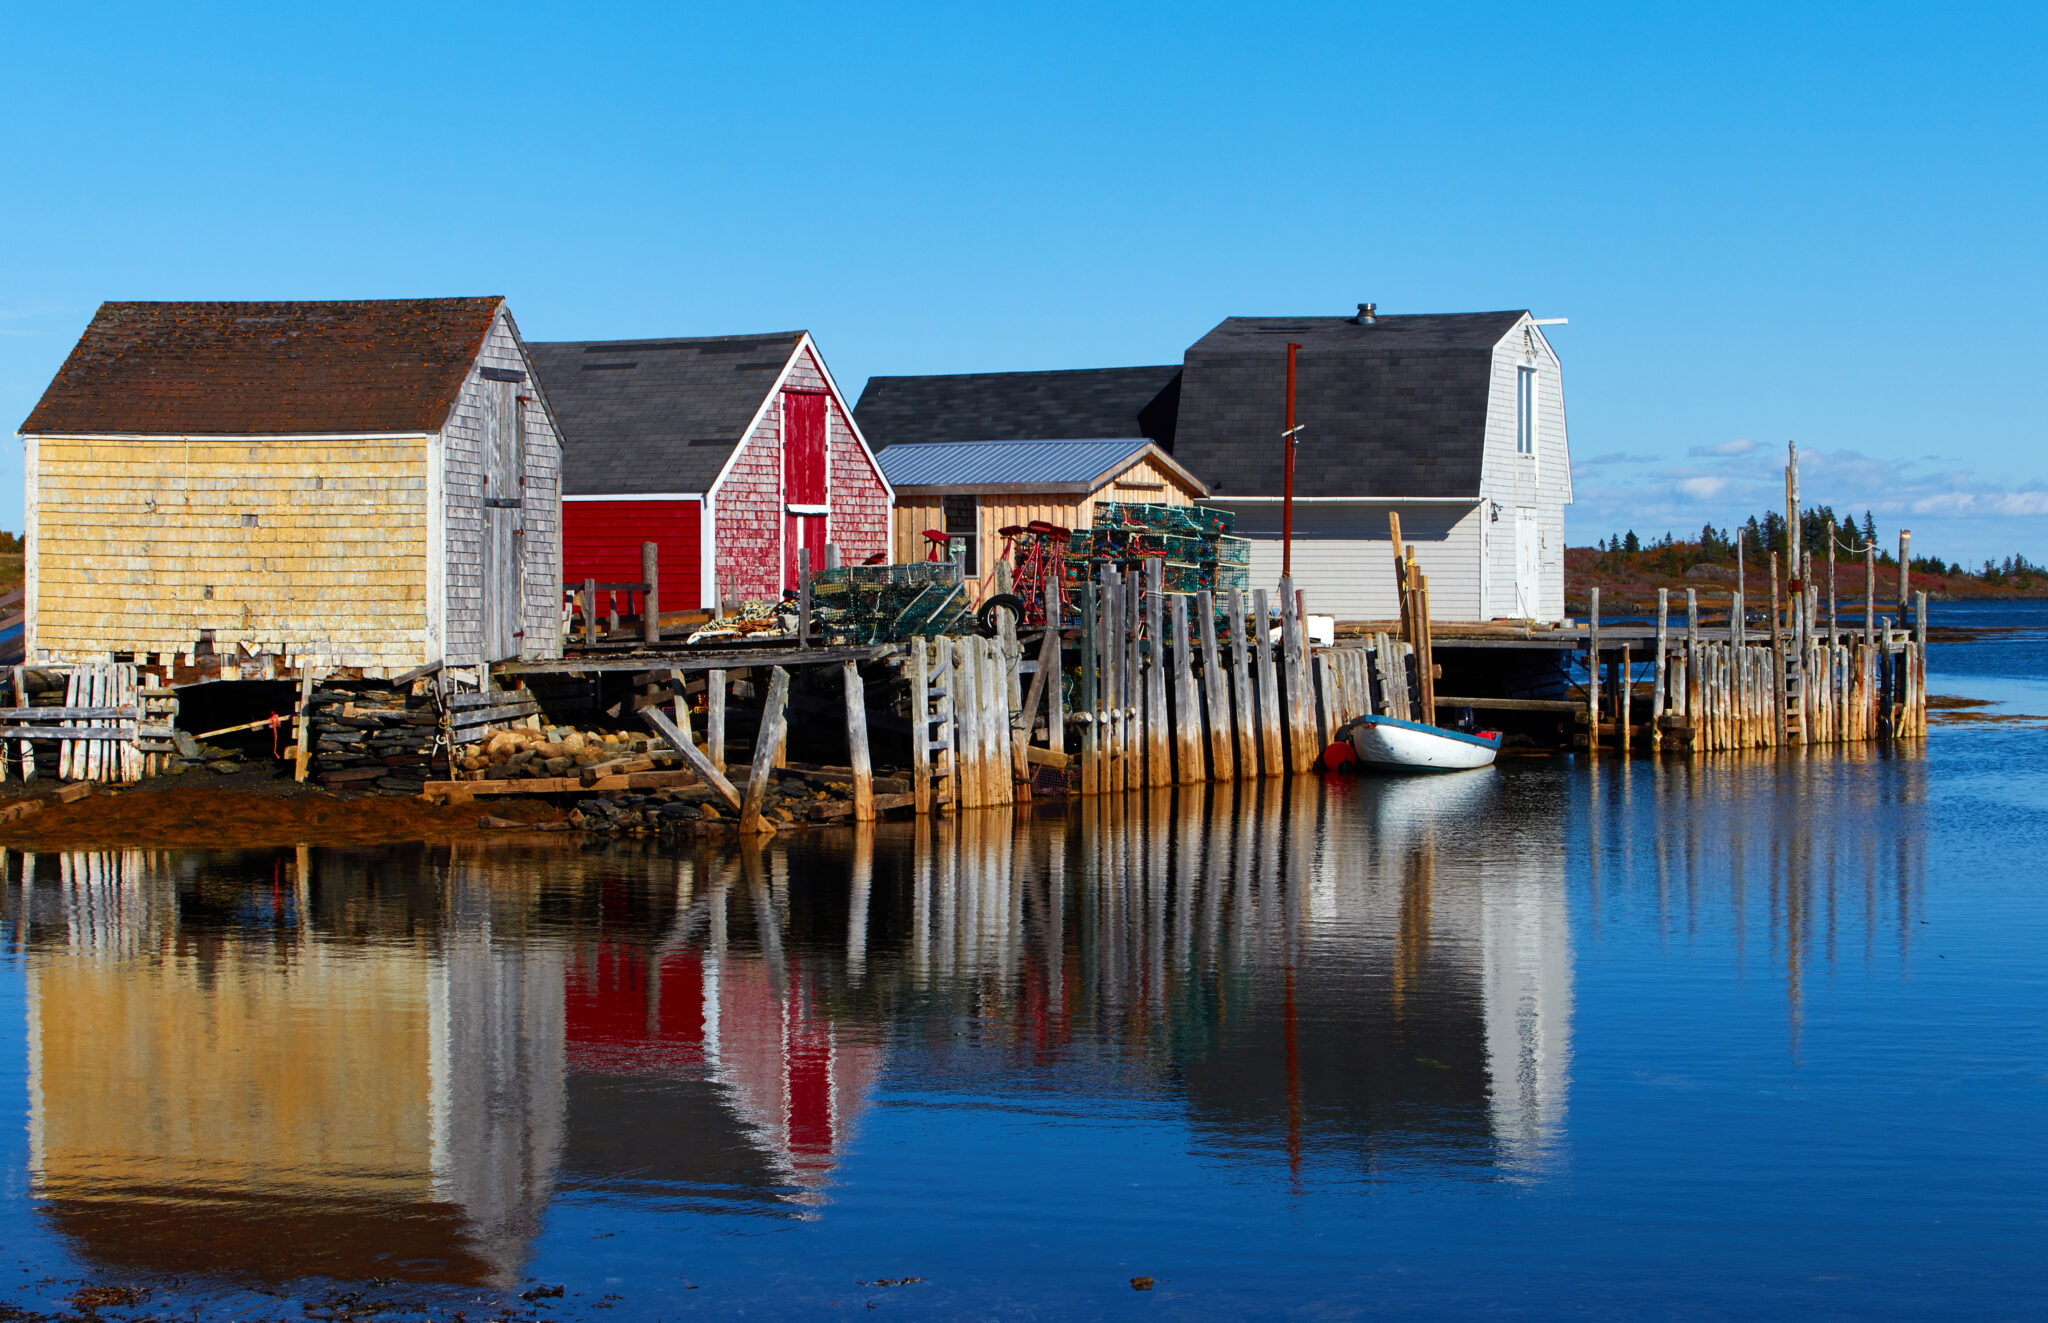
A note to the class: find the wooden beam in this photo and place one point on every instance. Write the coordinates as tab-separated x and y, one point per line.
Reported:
680	741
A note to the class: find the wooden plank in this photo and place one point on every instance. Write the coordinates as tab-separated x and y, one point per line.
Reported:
475	717
64	733
857	742
1034	696
1047	758
714	718
1091	734
1512	704
680	741
766	744
112	712
1657	670
1271	762
649	781
487	698
966	733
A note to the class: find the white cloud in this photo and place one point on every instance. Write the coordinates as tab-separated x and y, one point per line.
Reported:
1727	449
1702	489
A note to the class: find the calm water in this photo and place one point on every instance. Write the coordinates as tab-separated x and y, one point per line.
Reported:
1742	1038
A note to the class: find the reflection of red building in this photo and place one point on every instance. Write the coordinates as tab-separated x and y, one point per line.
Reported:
732	1073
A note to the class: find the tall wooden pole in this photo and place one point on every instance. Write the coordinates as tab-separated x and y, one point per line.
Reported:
1287	497
1905	570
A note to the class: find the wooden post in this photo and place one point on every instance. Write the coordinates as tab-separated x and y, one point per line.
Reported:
1778	695
1624	698
1593	671
857	743
1834	624
590	611
1091	737
1401	584
1110	632
1187	708
1695	672
714	718
766	742
1869	595
1270	762
999	677
1214	697
1299	710
831	555
1905	571
803	597
1425	649
650	598
1919	663
1158	759
1044	681
1243	725
945	683
27	747
920	728
1657	669
966	687
302	725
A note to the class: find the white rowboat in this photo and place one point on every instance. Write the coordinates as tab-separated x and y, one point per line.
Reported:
1409	746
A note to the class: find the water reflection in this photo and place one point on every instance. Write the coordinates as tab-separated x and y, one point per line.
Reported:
386	1064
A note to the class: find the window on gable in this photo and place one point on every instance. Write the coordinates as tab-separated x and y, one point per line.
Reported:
1525	411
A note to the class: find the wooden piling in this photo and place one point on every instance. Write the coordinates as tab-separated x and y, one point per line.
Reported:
1624	699
857	743
766	741
1187	707
967	773
1593	671
1657	669
1090	699
1299	711
1215	699
1271	762
1158	755
1243	721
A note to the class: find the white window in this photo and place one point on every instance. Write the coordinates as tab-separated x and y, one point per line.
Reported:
1525	411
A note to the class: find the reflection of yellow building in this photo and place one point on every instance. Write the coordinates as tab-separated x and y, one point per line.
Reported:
293	1107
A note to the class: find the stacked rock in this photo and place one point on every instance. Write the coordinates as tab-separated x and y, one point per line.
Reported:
369	736
522	754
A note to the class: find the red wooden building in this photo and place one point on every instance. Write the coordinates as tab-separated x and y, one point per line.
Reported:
731	452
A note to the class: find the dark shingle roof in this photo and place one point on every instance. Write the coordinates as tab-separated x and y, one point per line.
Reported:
655	415
252	369
1044	466
1021	406
1396	408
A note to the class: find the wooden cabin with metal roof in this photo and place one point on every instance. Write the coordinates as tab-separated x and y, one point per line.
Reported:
732	453
270	487
975	489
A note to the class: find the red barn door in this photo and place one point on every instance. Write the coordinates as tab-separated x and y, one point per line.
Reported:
803	479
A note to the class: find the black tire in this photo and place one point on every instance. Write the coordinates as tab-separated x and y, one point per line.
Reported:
986	616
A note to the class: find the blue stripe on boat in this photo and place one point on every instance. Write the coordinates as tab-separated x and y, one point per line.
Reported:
1493	743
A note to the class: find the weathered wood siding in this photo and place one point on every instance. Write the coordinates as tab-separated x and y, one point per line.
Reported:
464	440
1344	561
747	504
278	545
1509	479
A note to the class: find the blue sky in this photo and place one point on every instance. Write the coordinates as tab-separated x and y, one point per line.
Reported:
1766	222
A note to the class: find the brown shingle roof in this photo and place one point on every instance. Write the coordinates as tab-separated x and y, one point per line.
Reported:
240	369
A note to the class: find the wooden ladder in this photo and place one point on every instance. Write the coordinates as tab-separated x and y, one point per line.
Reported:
939	714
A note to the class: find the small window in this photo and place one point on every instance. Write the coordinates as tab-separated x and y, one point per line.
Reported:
1525	411
963	519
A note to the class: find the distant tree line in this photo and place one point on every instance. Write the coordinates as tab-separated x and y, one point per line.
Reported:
1760	535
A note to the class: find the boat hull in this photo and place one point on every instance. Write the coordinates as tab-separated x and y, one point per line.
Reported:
1385	744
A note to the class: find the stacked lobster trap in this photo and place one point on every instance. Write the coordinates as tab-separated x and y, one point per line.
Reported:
856	605
1193	541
